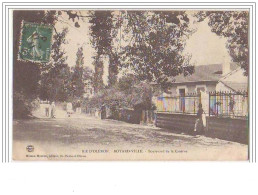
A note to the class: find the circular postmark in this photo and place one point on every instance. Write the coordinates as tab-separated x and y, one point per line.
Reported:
30	148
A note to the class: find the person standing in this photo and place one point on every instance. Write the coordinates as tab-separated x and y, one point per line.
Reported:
198	127
53	107
47	109
103	111
78	107
69	109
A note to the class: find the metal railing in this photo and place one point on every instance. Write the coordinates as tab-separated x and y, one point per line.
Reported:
228	104
219	104
179	104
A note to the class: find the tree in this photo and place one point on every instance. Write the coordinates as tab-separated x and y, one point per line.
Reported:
234	26
98	83
56	86
138	94
88	75
55	82
113	68
126	82
155	45
77	77
103	30
101	27
26	75
128	92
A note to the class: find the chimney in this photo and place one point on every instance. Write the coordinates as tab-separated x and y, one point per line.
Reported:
225	66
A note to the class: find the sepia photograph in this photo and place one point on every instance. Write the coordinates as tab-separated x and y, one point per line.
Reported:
130	84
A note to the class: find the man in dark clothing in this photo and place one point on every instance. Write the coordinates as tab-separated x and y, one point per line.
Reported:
198	127
78	107
103	111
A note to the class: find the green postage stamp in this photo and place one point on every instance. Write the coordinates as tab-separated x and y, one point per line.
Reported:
35	42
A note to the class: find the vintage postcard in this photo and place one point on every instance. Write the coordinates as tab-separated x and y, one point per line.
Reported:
121	84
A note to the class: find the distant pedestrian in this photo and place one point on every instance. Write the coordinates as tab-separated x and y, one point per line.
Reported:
198	127
47	109
103	111
78	107
53	109
69	109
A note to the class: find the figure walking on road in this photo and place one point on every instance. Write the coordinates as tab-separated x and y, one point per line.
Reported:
53	108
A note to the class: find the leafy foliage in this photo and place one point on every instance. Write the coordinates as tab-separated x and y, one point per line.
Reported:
155	49
154	44
101	28
87	75
56	76
128	92
103	31
77	77
101	24
98	83
234	26
23	105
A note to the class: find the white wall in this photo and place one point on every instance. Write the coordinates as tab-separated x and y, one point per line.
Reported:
221	87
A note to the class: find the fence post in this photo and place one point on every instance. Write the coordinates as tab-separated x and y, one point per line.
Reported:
209	103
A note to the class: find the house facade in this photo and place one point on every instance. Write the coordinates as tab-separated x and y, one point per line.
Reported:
185	93
208	78
222	91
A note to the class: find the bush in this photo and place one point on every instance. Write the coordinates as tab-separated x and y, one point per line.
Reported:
23	106
137	97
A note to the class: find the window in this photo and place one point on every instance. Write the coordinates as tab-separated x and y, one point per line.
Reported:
182	100
200	88
181	92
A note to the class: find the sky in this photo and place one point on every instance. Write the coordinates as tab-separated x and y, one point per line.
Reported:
204	46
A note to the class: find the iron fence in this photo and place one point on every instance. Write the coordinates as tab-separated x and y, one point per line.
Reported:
179	104
228	104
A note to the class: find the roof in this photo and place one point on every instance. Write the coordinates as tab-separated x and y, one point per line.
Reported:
210	72
236	86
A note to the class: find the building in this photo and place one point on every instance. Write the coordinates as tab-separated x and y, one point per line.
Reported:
208	78
186	92
233	81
